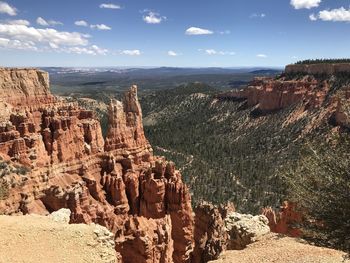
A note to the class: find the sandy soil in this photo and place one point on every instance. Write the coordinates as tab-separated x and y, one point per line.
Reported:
277	249
39	239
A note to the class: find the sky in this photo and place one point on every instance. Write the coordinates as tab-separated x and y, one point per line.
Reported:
177	33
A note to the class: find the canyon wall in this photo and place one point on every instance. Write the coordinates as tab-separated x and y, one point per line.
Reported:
66	163
268	94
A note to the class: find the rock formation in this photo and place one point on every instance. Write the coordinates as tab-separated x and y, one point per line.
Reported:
269	94
285	220
210	233
245	229
218	229
117	183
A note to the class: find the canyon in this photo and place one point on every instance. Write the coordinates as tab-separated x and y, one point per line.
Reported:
53	155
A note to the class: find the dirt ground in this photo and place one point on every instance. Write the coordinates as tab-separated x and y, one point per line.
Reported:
276	249
39	239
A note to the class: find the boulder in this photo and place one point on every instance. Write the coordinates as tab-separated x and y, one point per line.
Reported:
244	229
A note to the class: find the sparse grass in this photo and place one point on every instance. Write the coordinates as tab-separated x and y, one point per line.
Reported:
320	184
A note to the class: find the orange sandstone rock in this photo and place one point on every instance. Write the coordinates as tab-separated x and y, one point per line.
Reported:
285	220
116	183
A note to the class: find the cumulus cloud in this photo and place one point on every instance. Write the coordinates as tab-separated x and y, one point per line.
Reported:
261	56
134	52
335	15
97	26
110	6
18	22
255	15
26	33
17	44
216	52
153	18
100	27
41	21
5	8
308	4
93	50
198	31
172	53
23	37
81	23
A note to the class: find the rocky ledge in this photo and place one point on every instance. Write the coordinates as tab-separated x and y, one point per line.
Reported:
52	238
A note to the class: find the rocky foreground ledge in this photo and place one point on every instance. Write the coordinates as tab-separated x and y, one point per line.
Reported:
34	238
277	248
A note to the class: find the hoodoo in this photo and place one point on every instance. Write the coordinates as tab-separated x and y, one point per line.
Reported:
118	183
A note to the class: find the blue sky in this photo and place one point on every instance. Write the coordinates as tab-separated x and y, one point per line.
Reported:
192	33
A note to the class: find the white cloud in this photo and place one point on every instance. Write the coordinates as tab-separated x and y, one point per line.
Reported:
110	6
261	56
313	17
5	8
153	18
23	37
48	35
17	44
299	4
255	15
81	23
198	31
93	50
97	26
18	22
215	52
134	52
41	21
100	27
172	53
210	51
335	15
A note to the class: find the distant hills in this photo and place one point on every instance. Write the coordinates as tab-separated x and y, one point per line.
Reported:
164	71
111	80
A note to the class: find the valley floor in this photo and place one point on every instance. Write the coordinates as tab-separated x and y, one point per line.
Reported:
277	249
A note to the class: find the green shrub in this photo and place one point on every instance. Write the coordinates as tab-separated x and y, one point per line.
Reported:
4	190
320	184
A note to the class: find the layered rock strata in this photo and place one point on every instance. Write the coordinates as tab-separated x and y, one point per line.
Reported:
117	183
268	94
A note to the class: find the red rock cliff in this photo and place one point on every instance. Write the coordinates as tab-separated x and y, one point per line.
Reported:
269	94
119	183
